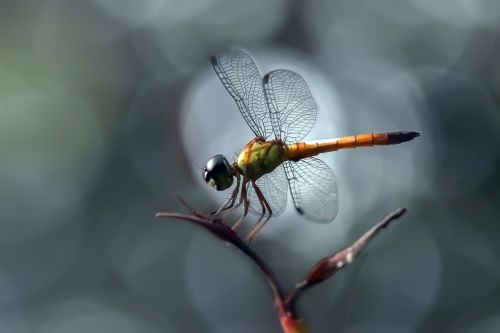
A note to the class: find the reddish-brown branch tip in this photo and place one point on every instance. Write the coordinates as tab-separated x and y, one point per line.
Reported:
327	267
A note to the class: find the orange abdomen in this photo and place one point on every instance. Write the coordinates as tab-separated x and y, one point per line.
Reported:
305	149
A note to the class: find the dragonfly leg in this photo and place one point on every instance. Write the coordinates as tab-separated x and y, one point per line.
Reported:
263	219
244	199
229	205
257	189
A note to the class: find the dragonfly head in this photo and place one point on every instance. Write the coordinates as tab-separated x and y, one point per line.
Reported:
218	173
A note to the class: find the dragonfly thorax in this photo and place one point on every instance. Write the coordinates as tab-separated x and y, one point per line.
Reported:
260	157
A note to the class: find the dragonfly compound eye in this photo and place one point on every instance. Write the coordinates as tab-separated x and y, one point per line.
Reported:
218	173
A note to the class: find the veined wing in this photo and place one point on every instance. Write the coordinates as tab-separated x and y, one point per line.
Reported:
239	74
292	107
313	187
274	188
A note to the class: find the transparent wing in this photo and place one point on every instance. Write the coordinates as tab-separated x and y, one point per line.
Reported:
292	107
274	187
313	187
239	74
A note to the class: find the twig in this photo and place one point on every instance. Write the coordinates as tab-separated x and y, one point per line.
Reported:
224	232
327	267
290	321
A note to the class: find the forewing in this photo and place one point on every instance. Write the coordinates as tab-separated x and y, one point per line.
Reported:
292	107
239	74
274	187
313	187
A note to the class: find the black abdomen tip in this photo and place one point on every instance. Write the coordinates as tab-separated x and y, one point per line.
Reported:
401	136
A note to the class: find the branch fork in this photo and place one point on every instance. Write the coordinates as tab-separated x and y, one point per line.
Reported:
324	269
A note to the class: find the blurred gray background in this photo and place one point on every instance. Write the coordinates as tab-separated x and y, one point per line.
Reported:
108	108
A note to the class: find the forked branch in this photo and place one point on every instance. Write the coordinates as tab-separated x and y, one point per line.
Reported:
324	269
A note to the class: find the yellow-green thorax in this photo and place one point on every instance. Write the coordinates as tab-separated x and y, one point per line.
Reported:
260	157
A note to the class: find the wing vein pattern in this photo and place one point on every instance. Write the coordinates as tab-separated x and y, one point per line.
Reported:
274	186
241	78
292	107
313	188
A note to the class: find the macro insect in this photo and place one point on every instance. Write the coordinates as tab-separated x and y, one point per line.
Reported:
280	110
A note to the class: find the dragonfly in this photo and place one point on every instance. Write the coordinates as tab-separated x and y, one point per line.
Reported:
280	110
